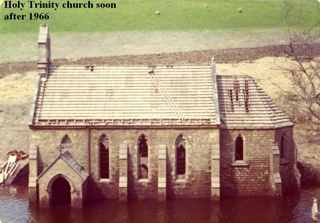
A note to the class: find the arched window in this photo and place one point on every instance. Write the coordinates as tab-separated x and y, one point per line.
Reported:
143	157
180	156
239	148
104	157
65	141
283	146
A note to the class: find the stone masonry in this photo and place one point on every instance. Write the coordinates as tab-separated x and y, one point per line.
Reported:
154	132
123	182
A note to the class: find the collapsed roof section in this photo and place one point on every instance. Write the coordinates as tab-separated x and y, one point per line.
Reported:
243	104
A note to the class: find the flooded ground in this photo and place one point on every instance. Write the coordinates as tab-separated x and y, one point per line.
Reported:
14	207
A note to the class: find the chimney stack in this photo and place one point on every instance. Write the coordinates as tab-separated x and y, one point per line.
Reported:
44	51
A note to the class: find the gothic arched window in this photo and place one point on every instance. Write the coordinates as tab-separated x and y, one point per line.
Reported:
180	156
104	157
239	148
65	141
143	157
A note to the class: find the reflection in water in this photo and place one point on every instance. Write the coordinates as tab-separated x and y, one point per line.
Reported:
14	207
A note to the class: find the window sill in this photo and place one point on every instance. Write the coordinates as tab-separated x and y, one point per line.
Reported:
240	163
181	181
104	181
284	161
143	181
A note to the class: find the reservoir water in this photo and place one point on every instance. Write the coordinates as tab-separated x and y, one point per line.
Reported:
15	208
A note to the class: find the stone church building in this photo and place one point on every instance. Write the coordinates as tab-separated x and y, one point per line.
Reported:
159	132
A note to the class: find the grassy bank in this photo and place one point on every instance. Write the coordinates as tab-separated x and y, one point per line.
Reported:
133	15
75	45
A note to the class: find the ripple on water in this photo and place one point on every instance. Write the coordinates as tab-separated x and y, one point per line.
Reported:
14	207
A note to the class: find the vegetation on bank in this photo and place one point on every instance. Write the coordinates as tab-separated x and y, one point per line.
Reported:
133	15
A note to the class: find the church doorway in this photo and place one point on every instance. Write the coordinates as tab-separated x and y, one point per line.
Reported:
61	195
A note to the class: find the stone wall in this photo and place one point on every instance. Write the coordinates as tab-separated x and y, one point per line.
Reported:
204	170
195	184
198	148
197	181
48	141
252	177
61	169
289	173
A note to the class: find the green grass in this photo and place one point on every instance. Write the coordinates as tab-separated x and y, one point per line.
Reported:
139	15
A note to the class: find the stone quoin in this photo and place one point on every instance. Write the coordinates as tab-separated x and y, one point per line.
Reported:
160	132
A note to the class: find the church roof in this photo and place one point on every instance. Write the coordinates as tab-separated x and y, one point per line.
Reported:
87	95
159	96
243	104
147	96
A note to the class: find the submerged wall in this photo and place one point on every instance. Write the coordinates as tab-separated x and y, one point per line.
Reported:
84	147
211	169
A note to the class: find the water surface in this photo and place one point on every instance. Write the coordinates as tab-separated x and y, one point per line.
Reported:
14	207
